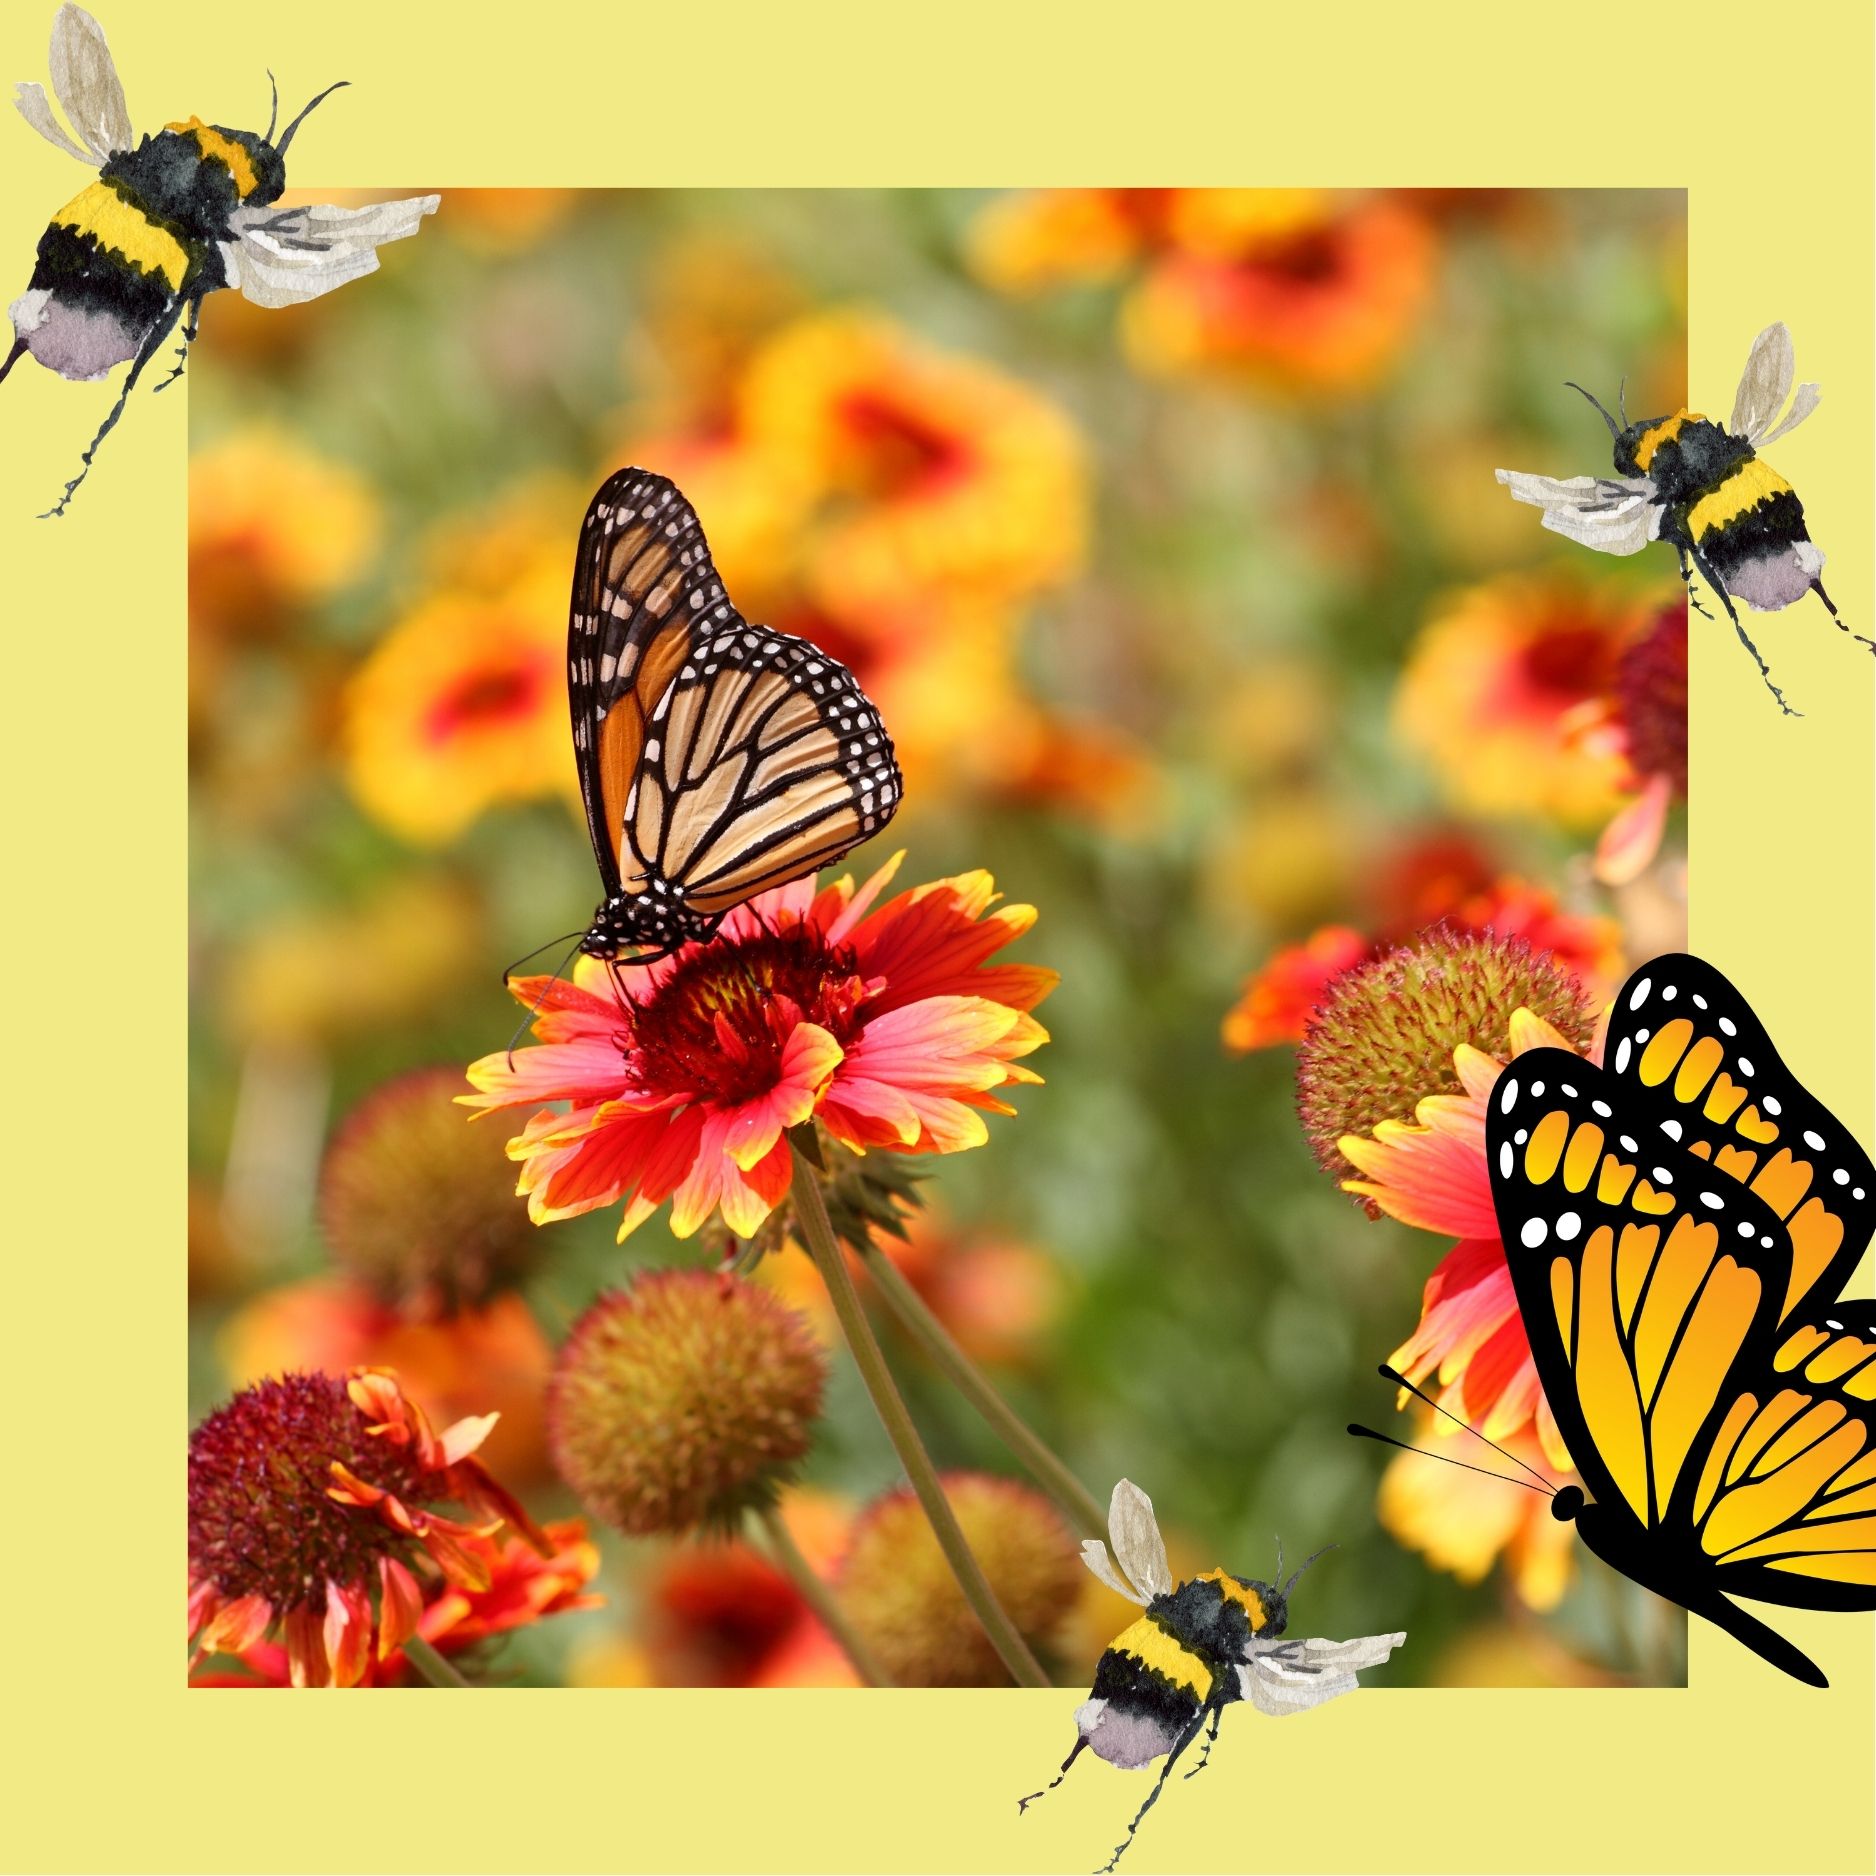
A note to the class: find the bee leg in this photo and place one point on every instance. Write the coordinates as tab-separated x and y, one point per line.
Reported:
1023	1804
1837	621
188	339
147	351
1159	1784
1726	600
1211	1739
1687	580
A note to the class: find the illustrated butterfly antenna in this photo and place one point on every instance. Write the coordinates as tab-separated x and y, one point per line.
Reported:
1300	1568
1387	1439
1600	412
1400	1380
1152	1797
286	136
273	115
559	968
1023	1804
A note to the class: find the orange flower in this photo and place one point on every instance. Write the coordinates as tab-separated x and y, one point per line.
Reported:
889	1025
1492	693
1029	240
1278	1000
311	1521
523	1587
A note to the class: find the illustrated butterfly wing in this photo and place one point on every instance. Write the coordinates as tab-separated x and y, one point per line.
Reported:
716	758
1693	1058
1651	1287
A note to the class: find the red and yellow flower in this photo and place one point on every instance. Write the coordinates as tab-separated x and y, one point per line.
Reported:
312	1521
888	1024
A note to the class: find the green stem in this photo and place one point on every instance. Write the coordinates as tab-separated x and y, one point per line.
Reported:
818	1233
935	1339
430	1664
819	1597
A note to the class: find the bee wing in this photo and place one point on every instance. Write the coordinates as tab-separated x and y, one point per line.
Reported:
1094	1555
1138	1546
1763	387
85	81
1614	515
282	257
1279	1677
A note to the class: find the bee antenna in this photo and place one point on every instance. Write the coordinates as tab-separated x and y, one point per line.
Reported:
1301	1567
273	115
286	136
535	1009
1621	400
1569	385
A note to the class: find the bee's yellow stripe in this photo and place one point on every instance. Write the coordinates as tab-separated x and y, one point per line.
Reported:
1750	484
1150	1645
211	142
113	223
1247	1599
1664	432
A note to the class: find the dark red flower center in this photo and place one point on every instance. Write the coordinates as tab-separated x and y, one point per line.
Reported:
1309	257
260	1520
496	694
900	451
715	1028
1567	662
1651	683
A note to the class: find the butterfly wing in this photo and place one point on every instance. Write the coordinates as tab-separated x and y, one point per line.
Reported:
1696	1063
716	758
1651	1285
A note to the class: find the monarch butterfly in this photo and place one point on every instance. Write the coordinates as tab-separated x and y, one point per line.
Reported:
1678	1226
1197	1647
716	758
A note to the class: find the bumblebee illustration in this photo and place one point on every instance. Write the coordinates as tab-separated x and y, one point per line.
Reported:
171	219
1704	489
1199	1646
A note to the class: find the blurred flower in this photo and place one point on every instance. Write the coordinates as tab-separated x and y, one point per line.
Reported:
274	528
505	221
461	706
1490	691
321	976
1279	1000
419	1204
1645	721
1292	287
720	1614
889	1025
684	1399
900	1595
310	1519
493	1357
1463	1522
523	1587
1411	1032
940	475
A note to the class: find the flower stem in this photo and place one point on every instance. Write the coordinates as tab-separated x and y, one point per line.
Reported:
430	1664
818	1233
819	1597
931	1335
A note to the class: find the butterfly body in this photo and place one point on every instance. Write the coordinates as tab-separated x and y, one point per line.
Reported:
716	758
1678	1225
170	219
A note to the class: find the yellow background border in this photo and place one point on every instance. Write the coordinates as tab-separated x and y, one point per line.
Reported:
1762	110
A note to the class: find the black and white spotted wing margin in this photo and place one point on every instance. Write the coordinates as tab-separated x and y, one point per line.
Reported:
717	759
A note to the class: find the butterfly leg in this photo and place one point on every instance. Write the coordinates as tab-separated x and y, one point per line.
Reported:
1211	1739
188	339
1836	619
1726	600
1159	1784
147	351
1023	1804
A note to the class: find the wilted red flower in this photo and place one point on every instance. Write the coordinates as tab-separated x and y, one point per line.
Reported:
888	1025
311	1521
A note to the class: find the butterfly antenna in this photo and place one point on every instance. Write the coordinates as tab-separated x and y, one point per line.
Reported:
535	1008
273	115
1387	1439
1304	1565
286	136
1400	1380
1600	412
